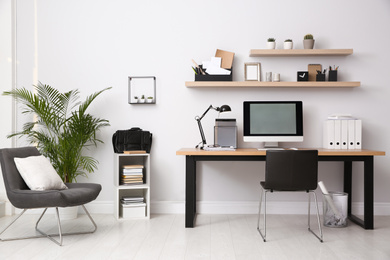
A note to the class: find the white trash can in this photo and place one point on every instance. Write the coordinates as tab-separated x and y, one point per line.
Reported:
335	209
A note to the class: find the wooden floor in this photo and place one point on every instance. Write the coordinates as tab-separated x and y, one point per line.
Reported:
214	237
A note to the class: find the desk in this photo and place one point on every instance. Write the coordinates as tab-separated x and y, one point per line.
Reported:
194	155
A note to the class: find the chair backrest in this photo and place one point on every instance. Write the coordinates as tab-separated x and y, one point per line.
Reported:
11	175
291	170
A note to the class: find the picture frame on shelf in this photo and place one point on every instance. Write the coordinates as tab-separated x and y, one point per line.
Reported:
141	87
252	71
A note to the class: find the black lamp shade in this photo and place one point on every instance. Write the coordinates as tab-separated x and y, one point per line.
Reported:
224	108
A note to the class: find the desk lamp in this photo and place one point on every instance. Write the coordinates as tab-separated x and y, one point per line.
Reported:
223	108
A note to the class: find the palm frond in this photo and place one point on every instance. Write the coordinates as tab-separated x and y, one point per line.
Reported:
62	128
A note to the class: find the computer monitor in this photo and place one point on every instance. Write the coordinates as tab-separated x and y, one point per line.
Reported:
273	121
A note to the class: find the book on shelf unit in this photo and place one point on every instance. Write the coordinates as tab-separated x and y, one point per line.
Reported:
133	201
132	174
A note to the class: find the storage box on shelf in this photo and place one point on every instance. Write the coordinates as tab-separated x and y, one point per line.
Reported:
132	182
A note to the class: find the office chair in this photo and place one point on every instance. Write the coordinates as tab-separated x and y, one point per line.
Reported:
290	170
22	197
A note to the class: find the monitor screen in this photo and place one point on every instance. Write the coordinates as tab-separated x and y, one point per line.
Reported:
273	121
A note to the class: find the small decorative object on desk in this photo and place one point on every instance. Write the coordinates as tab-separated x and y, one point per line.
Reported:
333	73
288	44
271	43
308	41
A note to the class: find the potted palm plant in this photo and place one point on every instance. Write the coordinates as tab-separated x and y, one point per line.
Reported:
62	129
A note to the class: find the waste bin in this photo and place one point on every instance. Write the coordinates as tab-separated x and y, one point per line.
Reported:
335	209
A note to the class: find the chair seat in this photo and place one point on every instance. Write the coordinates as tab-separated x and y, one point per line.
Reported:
76	194
263	184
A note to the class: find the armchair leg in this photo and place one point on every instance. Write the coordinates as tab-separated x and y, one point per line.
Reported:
50	236
10	224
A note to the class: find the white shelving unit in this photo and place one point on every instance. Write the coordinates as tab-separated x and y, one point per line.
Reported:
131	190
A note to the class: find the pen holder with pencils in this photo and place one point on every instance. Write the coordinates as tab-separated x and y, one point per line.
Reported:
207	77
333	75
320	77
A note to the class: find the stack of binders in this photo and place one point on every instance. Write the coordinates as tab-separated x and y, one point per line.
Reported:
342	132
132	174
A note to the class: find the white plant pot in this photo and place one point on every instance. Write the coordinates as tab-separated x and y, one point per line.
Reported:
288	45
142	100
271	45
149	100
68	213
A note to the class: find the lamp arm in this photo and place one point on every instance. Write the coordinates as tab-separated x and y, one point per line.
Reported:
201	133
207	110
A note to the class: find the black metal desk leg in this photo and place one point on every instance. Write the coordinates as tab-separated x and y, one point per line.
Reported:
190	191
369	192
348	183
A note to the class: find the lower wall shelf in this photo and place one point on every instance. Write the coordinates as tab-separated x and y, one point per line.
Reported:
281	84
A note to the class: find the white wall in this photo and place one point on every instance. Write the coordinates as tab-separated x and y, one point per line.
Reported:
5	83
91	45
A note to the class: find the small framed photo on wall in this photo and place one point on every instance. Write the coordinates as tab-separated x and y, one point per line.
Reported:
252	71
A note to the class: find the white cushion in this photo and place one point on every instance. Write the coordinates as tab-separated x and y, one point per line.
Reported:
38	173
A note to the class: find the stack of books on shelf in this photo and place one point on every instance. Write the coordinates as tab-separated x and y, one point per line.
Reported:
132	174
134	201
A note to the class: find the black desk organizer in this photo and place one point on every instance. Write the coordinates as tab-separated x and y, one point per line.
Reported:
320	77
208	77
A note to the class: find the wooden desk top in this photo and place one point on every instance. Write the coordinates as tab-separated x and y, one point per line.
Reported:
253	151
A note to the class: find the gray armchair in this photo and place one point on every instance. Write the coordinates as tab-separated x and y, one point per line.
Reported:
22	197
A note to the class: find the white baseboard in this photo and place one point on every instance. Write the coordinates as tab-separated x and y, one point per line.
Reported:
224	207
249	207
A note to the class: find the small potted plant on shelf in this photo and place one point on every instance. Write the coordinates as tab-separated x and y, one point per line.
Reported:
135	99
271	43
142	100
288	44
149	100
308	41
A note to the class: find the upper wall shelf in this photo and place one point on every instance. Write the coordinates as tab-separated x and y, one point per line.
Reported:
281	84
299	52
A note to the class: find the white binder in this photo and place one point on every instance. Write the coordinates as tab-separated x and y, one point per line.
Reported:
328	134
358	134
337	134
344	134
351	134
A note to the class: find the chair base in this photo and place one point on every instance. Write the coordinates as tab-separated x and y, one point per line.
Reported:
263	235
43	234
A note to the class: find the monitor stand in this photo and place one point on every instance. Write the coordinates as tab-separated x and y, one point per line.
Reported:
271	146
